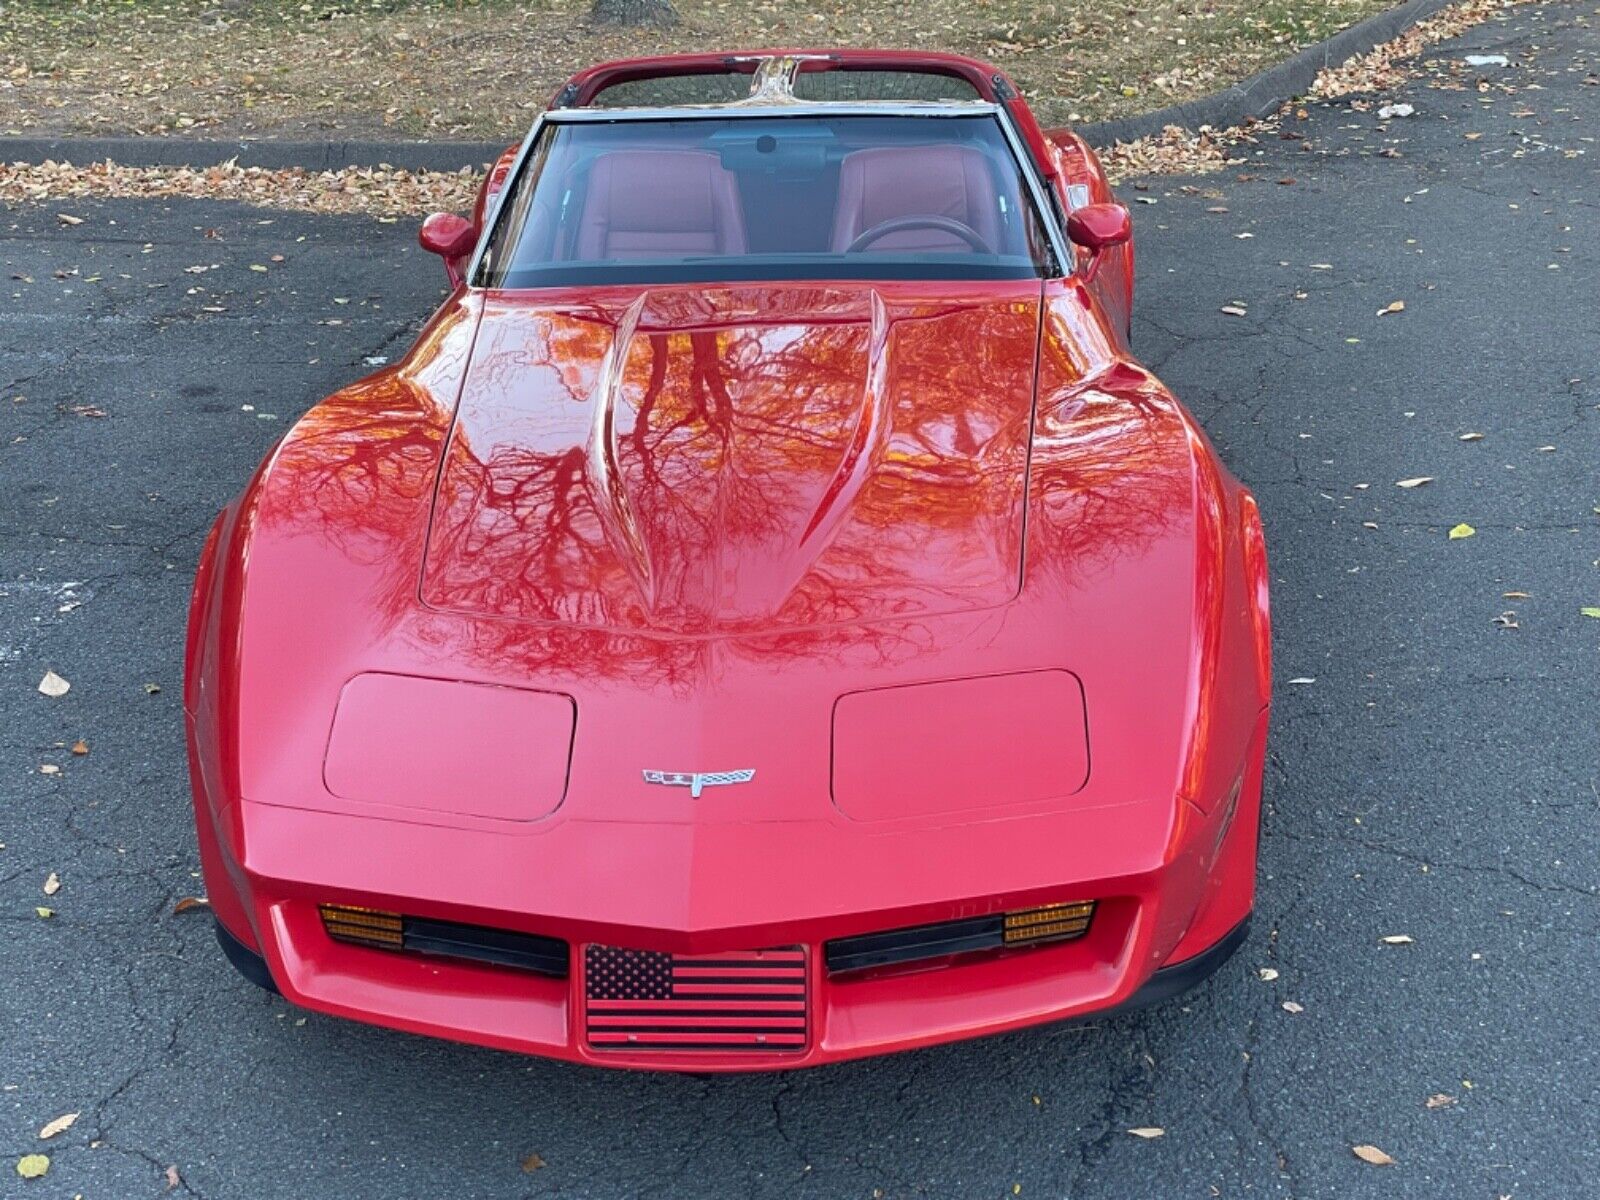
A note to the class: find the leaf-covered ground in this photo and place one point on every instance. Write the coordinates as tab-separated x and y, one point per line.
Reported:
470	68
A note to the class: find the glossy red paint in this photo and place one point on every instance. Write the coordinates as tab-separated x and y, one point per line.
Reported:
578	534
1099	227
451	238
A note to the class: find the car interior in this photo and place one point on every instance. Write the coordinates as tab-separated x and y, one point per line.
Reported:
864	191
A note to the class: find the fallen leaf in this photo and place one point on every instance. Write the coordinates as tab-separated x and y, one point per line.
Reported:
532	1163
1440	1100
1506	620
1414	483
1460	531
1392	307
59	1125
150	689
1590	611
1233	310
1268	974
52	884
1397	939
53	685
1289	1006
1148	1132
80	747
1470	437
69	219
33	1166
49	769
1514	595
173	1178
1371	1154
258	267
189	904
43	913
1303	679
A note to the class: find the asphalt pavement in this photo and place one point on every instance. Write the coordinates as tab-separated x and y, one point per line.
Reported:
1434	761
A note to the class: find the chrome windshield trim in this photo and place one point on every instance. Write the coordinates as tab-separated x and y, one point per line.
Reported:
748	107
1037	186
491	217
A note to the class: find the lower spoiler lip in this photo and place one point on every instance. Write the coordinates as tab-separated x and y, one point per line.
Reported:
1166	984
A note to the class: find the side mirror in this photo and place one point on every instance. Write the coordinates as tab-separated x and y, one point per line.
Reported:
451	238
1098	227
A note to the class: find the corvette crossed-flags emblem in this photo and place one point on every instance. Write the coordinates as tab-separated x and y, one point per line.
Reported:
697	782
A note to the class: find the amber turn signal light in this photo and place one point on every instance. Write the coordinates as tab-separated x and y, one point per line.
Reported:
365	926
1047	922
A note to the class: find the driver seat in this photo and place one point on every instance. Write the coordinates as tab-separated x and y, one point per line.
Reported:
885	182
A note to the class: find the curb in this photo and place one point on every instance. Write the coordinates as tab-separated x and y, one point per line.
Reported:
1255	97
198	152
1264	93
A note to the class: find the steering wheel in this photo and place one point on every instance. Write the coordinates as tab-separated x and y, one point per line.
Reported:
920	221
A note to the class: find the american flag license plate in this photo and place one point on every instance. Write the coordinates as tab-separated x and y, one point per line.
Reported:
740	1000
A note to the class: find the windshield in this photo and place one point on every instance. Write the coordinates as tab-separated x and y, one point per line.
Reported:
767	197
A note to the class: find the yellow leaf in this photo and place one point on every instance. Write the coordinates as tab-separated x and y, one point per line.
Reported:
1590	611
1461	531
1148	1132
33	1166
1393	307
257	267
44	913
59	1125
1371	1154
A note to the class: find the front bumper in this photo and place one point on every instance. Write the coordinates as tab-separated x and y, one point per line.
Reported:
1155	934
1166	984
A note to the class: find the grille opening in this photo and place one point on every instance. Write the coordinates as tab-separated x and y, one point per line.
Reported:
645	1000
1027	926
445	939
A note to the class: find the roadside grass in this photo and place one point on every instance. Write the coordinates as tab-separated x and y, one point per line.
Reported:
481	68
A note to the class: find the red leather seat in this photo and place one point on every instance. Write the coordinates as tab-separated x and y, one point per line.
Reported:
900	181
660	204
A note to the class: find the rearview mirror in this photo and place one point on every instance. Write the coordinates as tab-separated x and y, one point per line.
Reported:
1098	227
451	238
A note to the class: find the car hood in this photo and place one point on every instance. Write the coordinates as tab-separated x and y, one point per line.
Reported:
704	461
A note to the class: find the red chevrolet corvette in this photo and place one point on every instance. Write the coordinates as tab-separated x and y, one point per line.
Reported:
768	618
